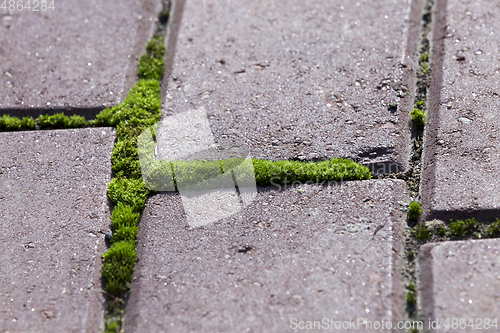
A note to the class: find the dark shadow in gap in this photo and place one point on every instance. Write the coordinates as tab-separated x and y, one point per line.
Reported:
88	112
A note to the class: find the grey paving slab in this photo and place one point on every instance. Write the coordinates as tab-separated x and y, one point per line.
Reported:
82	54
460	280
461	156
299	79
53	212
307	253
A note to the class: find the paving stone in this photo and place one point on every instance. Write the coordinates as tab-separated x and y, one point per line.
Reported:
308	253
300	79
460	280
461	162
53	214
80	55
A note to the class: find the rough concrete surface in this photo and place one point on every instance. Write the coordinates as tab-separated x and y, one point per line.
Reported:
300	79
53	212
308	253
81	55
461	156
460	280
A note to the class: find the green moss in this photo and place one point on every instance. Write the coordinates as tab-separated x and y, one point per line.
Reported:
414	211
424	57
441	231
411	298
424	67
494	229
58	120
151	64
113	326
8	123
141	106
124	158
418	118
411	255
76	121
118	266
462	228
420	105
286	172
131	192
124	234
124	216
421	232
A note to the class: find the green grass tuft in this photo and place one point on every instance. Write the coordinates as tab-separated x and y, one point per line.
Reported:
414	211
418	118
462	228
118	267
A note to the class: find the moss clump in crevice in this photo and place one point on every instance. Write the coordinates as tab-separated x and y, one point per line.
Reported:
287	172
141	107
414	211
55	121
424	61
418	118
411	299
205	174
421	232
113	325
8	123
494	229
139	110
131	192
441	231
462	228
151	64
118	266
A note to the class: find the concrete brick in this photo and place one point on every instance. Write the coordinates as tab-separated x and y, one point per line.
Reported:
83	55
326	252
461	155
299	79
53	213
460	280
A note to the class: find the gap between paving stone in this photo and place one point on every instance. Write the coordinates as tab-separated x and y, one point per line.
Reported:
437	292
